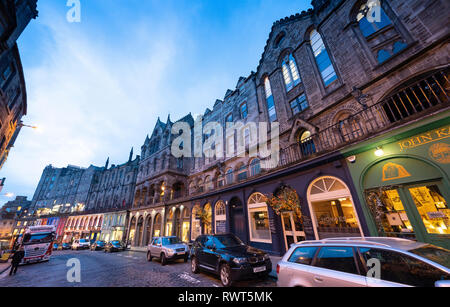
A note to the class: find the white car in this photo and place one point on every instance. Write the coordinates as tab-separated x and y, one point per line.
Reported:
81	244
364	262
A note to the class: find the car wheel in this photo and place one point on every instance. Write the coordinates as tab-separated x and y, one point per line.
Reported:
163	259
149	257
194	265
225	275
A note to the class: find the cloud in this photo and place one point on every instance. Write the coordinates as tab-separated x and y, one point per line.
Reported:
89	100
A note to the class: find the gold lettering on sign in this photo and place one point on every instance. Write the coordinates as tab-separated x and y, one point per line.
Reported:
392	171
425	138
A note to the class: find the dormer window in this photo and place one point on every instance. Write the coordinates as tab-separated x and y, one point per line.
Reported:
372	18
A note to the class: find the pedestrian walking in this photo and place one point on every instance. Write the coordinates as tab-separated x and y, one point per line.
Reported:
16	260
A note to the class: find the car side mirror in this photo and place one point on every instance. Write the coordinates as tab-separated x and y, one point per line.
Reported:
442	284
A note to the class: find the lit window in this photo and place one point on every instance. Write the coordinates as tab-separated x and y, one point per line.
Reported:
258	215
322	59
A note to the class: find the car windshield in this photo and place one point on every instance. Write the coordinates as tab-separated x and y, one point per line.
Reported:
115	243
100	242
435	254
170	241
227	241
38	238
83	241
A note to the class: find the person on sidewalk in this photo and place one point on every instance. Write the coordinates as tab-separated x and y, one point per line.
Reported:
16	260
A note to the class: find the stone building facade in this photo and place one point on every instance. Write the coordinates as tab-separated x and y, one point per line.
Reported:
14	17
86	190
343	73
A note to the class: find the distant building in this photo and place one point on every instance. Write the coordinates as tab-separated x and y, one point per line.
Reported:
14	17
17	207
80	190
6	226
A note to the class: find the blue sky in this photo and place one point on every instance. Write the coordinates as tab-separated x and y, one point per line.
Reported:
96	88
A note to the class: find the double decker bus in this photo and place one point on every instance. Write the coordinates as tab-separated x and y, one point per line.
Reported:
37	242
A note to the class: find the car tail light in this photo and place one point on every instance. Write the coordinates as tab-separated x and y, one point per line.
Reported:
278	269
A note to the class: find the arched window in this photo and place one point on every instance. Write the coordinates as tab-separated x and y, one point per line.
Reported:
242	173
323	60
186	225
208	184
372	18
196	225
220	181
332	209
230	176
220	217
255	167
207	223
306	143
290	72
157	224
269	99
258	215
169	223
382	37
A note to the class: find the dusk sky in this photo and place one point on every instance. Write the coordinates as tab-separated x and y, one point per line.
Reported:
96	88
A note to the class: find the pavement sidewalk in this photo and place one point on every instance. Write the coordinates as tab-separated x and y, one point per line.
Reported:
4	267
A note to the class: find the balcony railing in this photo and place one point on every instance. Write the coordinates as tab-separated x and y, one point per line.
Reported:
411	101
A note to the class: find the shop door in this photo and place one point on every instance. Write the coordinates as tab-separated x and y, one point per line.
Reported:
292	228
238	223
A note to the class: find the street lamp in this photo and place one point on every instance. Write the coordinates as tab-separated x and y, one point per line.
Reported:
21	124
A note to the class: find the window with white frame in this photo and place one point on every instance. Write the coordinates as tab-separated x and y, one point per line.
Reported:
258	215
220	217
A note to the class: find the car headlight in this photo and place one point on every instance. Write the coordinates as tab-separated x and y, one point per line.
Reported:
170	251
240	260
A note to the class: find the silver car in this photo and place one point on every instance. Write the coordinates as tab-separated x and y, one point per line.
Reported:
167	249
364	262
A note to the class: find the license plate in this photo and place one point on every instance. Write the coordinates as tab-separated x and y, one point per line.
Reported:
259	270
181	253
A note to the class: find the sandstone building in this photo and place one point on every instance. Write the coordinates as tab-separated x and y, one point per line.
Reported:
347	81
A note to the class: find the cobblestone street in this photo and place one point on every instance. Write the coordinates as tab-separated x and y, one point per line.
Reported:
127	269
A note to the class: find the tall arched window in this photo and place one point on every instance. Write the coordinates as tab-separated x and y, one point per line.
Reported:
220	217
230	176
255	167
242	173
290	72
323	60
270	101
196	225
258	215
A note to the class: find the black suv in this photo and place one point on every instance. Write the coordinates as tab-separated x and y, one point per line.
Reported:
227	256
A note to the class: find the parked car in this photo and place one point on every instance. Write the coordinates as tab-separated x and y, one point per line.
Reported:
167	249
98	245
364	262
227	256
80	244
114	246
64	246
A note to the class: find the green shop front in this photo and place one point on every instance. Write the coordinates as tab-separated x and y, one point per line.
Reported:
403	182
